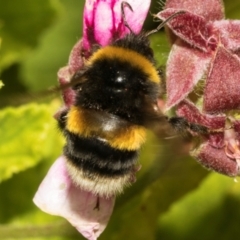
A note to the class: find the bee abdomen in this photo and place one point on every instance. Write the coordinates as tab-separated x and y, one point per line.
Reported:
96	166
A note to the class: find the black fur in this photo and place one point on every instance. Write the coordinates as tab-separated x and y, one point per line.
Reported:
126	99
138	43
96	157
123	94
118	87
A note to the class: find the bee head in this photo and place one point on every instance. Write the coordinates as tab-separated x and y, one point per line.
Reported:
115	85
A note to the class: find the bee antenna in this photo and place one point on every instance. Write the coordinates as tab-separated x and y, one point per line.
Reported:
164	22
123	4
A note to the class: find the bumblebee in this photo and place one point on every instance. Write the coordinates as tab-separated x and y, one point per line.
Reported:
116	99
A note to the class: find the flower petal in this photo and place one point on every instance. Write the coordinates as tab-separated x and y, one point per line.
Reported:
222	85
185	67
191	28
136	18
103	20
216	159
210	10
57	195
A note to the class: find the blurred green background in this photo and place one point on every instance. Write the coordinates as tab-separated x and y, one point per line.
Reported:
174	197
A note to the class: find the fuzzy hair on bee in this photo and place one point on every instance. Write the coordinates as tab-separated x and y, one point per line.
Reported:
116	99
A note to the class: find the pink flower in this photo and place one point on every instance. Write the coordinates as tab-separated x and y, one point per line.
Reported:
203	75
57	194
103	21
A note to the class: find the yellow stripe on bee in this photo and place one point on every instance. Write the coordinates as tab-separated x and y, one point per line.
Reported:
129	138
127	55
76	122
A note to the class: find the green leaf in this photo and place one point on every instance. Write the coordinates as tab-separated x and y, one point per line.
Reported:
232	9
21	23
39	70
28	134
209	212
1	84
161	47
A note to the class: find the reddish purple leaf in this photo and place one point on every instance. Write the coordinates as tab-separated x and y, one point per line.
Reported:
216	160
209	9
215	124
236	126
222	85
229	33
185	68
189	111
191	28
76	61
202	27
216	140
68	94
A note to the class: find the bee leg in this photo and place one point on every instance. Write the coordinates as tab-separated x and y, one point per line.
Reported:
181	125
61	117
160	71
